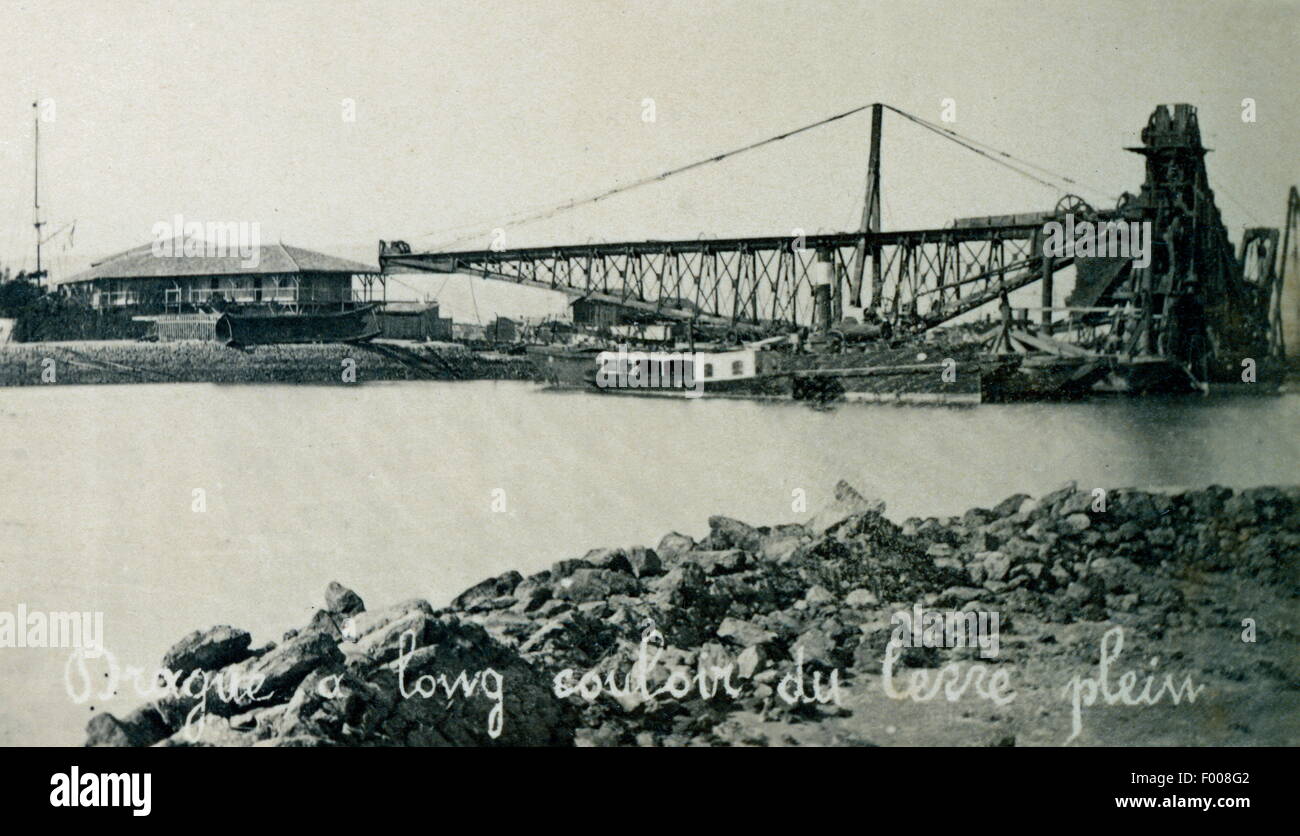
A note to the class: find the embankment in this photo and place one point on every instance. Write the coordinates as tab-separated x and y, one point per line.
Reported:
1193	588
31	364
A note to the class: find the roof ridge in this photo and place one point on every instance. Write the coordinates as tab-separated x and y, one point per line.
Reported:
296	266
122	254
137	263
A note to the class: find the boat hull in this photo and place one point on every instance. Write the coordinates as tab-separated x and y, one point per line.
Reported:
561	365
271	329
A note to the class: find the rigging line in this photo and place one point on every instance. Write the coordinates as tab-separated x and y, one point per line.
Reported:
994	149
951	137
416	290
771	188
1026	163
1219	187
969	144
479	223
56	233
655	178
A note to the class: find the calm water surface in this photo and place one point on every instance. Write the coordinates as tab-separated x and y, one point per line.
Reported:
391	488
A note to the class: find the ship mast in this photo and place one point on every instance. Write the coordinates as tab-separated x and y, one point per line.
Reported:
36	192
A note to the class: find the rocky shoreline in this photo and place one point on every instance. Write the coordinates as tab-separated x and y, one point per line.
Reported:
630	637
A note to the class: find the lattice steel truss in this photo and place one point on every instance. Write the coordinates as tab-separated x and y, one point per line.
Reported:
917	277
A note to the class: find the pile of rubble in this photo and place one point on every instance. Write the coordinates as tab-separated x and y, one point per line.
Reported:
744	599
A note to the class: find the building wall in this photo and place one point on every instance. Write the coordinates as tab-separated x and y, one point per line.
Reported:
415	325
596	314
247	289
502	330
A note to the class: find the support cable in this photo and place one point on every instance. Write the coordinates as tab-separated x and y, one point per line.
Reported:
996	155
567	205
983	149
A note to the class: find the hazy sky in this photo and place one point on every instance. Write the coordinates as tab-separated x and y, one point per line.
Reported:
465	112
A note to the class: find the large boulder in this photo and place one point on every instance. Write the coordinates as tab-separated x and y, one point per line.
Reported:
684	585
726	533
644	562
142	727
571	639
288	664
782	548
408	679
457	686
595	585
615	559
532	593
363	624
744	633
719	562
818	648
342	601
1010	505
848	503
674	544
208	650
487	590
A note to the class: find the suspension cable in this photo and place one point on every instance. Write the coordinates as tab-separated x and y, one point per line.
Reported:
983	149
567	205
992	153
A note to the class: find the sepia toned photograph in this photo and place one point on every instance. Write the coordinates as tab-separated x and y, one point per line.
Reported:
598	373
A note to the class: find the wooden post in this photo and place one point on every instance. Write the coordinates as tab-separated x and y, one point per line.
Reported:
1047	295
837	290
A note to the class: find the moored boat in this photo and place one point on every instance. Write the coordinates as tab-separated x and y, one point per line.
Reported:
561	365
264	327
723	372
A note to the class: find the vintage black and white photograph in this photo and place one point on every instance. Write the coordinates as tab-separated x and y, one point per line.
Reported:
598	373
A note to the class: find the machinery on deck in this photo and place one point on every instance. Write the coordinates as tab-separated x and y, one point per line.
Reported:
1196	304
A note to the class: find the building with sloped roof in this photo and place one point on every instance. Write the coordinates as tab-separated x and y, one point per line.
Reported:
150	279
413	321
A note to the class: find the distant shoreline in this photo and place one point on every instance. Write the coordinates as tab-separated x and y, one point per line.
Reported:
125	361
